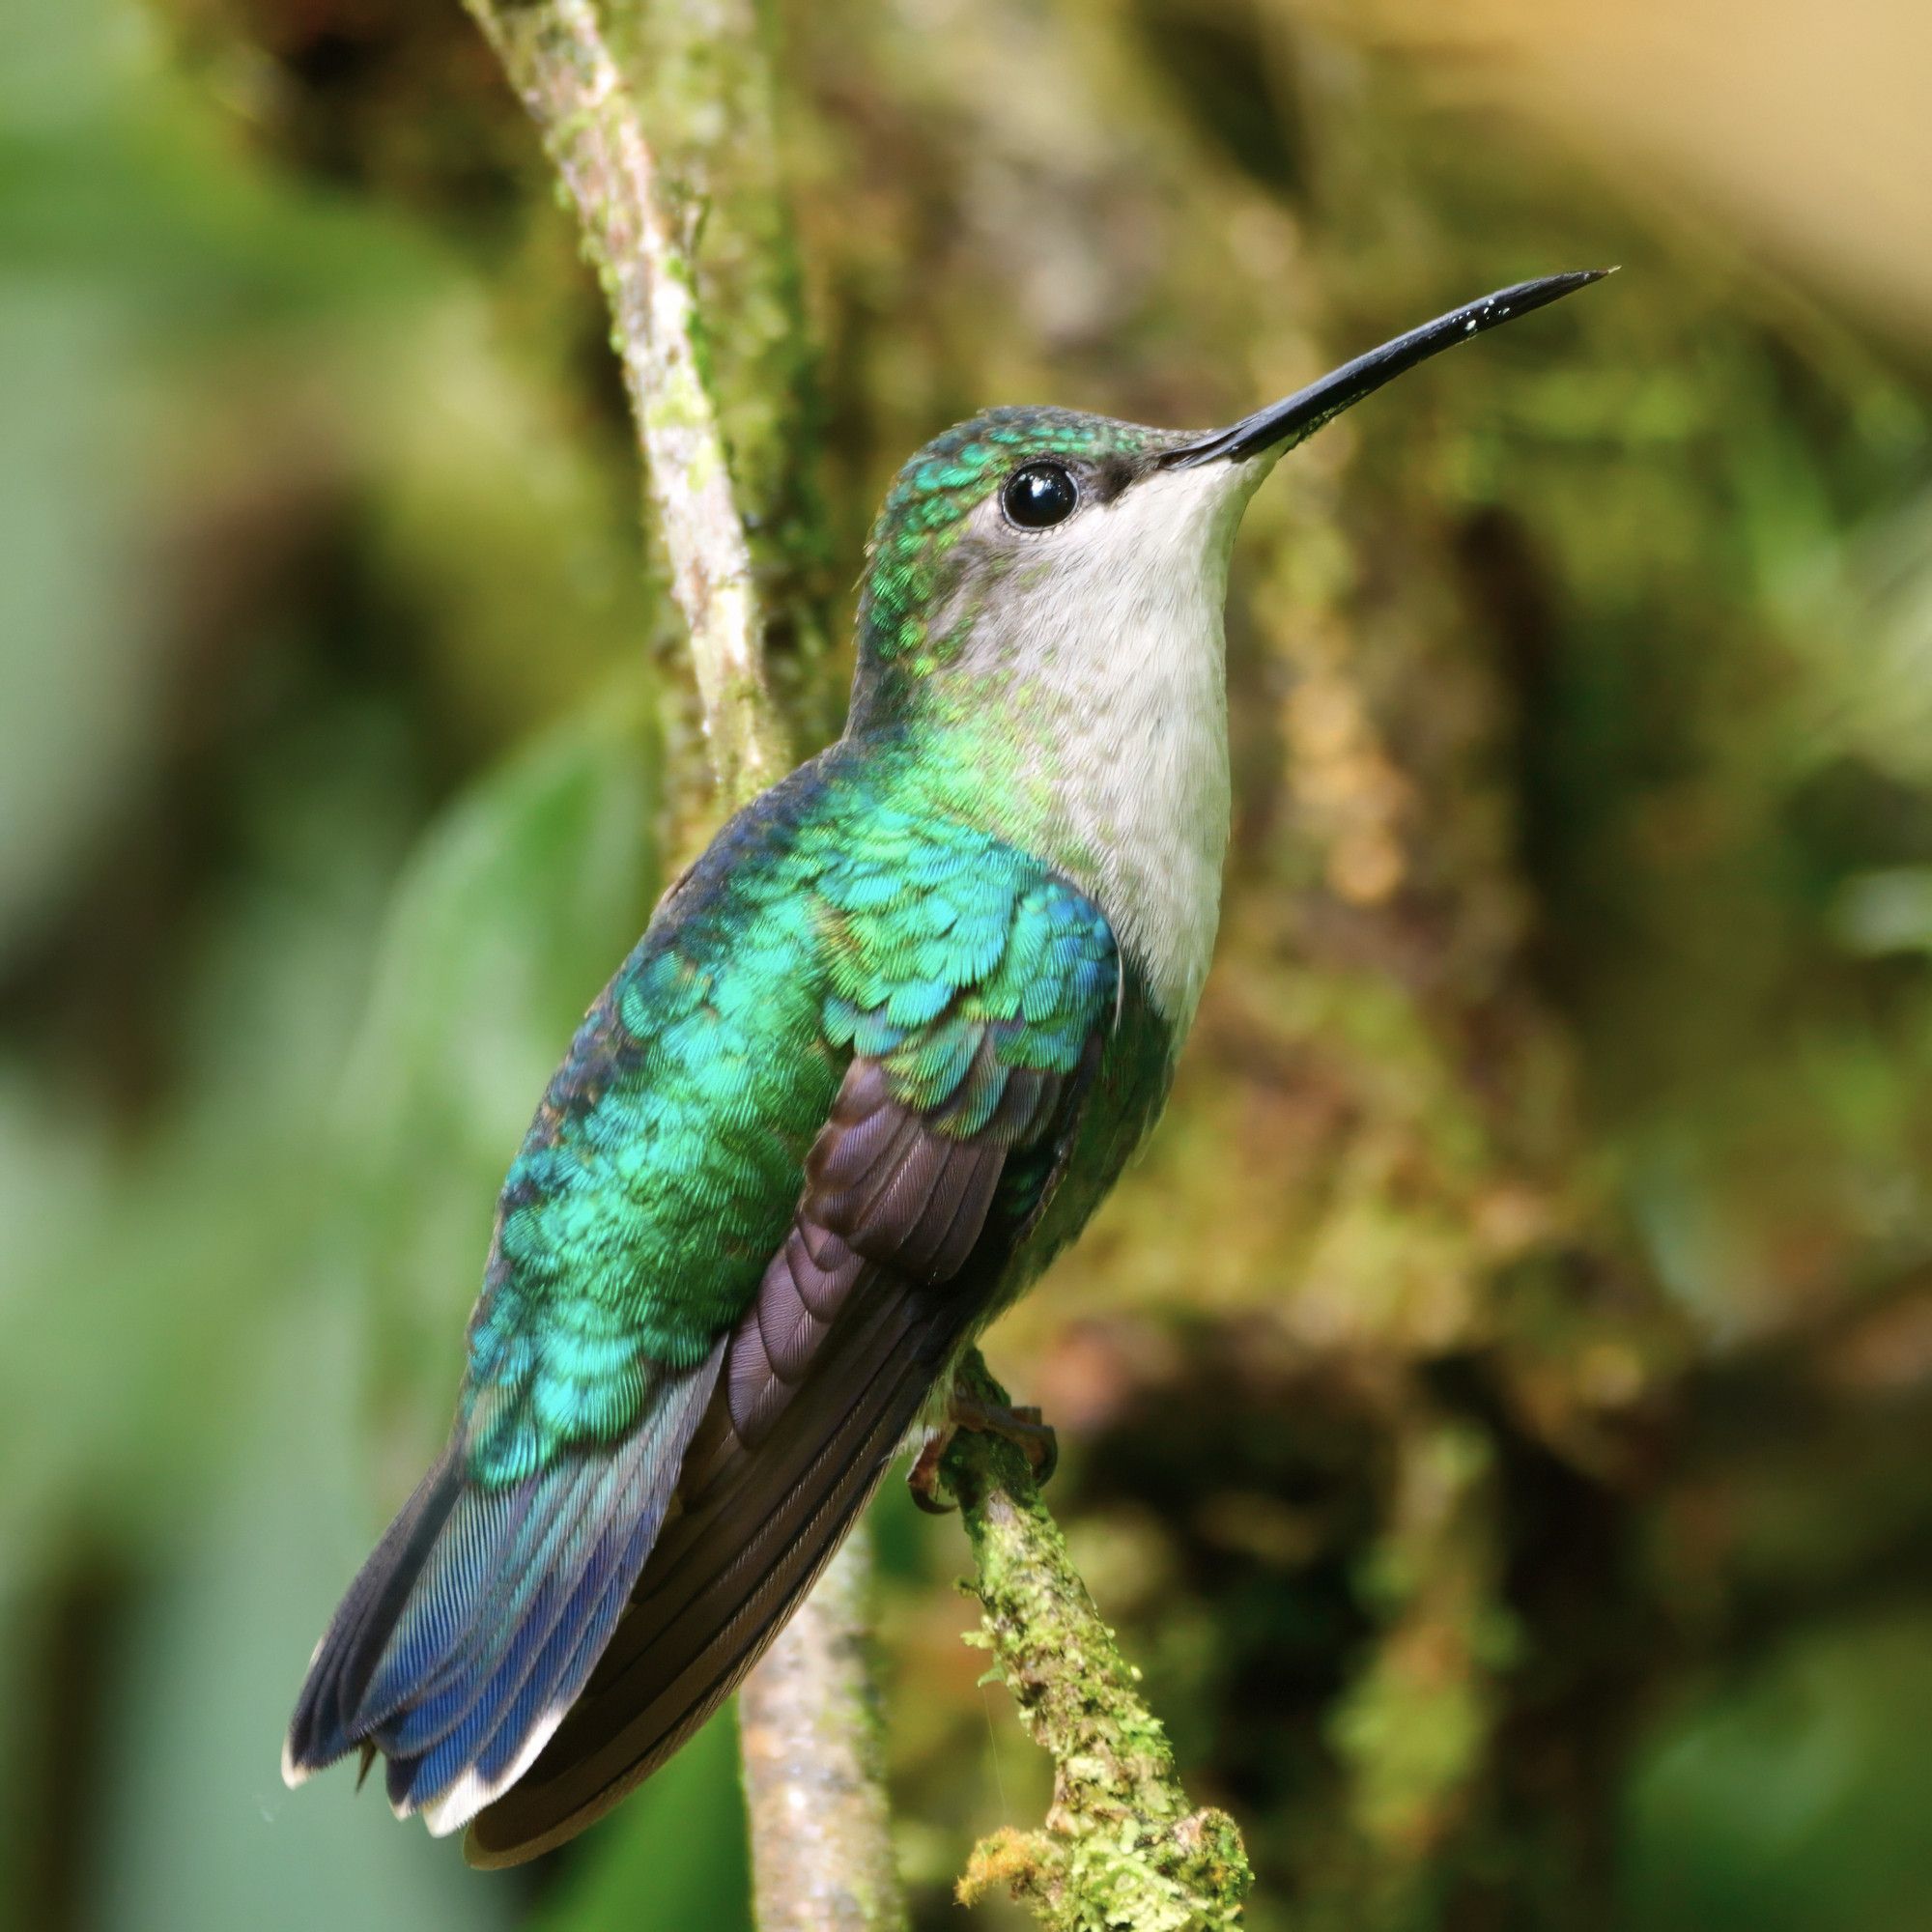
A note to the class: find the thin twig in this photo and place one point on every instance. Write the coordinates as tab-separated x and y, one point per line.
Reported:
555	56
809	1722
1121	1846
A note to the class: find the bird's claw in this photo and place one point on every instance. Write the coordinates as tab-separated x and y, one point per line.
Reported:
1023	1428
922	1478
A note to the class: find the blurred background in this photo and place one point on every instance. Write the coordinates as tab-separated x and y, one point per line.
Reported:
1495	1413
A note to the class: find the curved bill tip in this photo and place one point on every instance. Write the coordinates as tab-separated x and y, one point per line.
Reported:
1294	419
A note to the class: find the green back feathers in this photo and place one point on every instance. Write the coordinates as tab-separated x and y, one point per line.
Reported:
838	915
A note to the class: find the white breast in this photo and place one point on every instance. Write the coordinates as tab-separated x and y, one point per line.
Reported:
1112	630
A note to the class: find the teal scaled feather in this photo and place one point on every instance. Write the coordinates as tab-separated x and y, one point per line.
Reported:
666	1160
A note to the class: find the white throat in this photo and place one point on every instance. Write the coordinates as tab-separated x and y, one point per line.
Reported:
1112	630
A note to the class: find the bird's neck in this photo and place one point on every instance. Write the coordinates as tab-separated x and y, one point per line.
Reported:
1072	697
1139	816
1117	781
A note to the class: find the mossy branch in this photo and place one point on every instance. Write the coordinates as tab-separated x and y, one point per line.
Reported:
1121	1846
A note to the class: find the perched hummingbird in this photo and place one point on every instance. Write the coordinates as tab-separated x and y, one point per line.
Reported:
876	1058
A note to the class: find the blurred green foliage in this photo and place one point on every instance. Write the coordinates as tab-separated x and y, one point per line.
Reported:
1495	1409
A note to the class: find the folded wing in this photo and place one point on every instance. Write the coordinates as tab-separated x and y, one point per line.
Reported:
941	1147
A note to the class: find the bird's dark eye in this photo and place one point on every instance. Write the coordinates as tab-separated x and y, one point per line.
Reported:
1040	495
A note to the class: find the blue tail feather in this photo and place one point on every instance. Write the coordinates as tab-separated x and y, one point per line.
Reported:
447	1598
496	1615
513	1698
598	1630
481	1613
322	1729
577	1642
423	1759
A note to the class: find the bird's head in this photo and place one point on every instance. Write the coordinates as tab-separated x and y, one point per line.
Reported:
1028	538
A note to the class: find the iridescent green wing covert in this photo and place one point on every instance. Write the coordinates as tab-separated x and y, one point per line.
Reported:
909	1004
660	1173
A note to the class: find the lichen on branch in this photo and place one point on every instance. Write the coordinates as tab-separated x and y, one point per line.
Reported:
1121	1847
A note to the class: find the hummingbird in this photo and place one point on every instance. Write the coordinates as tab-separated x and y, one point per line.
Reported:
876	1058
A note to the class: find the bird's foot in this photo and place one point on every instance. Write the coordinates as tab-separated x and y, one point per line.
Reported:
1021	1426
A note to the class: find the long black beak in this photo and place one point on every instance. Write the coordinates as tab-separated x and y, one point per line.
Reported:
1298	416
